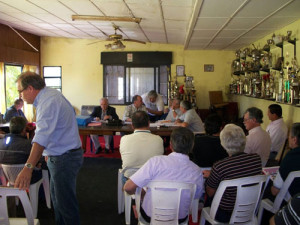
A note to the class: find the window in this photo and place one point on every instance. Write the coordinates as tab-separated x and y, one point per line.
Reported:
121	83
11	72
52	76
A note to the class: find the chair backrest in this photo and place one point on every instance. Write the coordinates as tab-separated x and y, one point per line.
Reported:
4	193
87	110
12	171
248	195
215	97
165	200
284	191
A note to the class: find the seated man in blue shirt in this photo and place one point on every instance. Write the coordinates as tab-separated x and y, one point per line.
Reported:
14	110
15	147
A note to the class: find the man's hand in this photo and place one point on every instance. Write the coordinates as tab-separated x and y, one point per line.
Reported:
206	173
106	117
23	179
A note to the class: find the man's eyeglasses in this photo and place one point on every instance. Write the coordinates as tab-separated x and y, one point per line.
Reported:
20	91
245	119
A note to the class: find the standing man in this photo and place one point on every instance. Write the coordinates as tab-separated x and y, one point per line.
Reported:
154	104
173	167
14	110
276	129
140	146
57	138
137	105
189	118
104	112
258	141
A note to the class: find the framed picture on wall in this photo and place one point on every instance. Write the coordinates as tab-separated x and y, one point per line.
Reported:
180	70
208	67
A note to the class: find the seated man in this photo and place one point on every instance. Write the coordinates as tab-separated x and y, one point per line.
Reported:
276	129
104	112
189	118
154	104
291	162
137	105
15	147
140	146
289	214
237	165
174	110
15	110
174	167
207	148
258	140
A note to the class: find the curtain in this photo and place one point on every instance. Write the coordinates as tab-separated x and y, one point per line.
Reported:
2	89
29	110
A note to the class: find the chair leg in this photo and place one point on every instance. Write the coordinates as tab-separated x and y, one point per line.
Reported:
34	196
195	210
260	214
127	208
121	204
202	219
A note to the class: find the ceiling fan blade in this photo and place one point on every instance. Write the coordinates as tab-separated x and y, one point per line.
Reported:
94	42
133	40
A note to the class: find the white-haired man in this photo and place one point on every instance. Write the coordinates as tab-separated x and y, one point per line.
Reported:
238	164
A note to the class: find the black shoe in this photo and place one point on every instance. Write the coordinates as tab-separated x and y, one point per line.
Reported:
98	150
106	150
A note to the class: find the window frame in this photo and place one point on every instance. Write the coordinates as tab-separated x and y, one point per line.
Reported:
53	77
125	91
5	79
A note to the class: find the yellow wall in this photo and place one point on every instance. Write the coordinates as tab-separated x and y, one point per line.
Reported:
82	73
291	114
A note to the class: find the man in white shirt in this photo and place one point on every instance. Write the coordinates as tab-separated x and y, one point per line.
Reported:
140	146
174	110
154	104
258	141
189	118
137	105
276	129
173	167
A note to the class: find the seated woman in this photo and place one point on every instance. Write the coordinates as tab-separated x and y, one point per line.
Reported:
15	147
207	148
237	165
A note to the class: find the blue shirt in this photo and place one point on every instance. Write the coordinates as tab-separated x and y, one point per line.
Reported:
11	112
56	126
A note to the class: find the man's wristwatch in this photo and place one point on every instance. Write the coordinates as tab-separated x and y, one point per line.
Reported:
29	165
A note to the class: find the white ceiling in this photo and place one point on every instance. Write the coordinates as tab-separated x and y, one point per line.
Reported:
196	24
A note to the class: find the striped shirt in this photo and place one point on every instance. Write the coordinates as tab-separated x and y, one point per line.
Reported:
236	166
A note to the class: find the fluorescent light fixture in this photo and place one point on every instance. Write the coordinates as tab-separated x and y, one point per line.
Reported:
106	18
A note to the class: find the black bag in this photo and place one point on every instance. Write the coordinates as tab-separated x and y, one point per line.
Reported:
115	123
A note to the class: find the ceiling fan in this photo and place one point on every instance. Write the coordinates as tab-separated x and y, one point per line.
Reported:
117	40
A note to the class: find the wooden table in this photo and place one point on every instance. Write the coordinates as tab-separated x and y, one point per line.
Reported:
111	130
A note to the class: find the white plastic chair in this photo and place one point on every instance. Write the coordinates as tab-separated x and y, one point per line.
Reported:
282	195
165	197
124	199
249	190
21	194
2	177
11	172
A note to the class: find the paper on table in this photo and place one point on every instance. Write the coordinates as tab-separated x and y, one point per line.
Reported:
94	124
272	171
163	123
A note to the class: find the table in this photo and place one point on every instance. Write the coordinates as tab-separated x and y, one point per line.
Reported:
4	127
111	130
